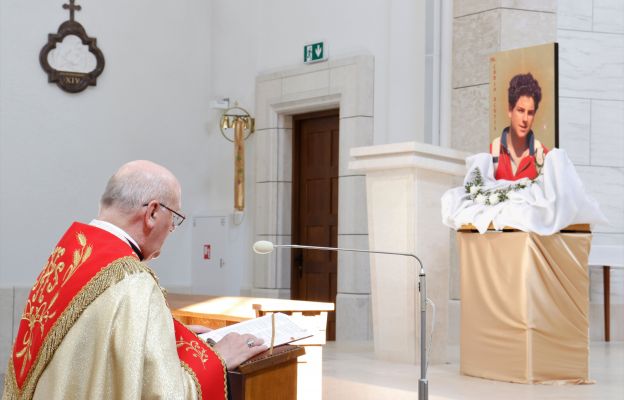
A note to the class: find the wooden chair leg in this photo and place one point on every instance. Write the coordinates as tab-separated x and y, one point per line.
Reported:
606	285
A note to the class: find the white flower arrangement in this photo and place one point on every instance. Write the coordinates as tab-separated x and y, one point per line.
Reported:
480	195
481	199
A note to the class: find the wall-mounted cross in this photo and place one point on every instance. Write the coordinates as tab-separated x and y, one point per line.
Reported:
71	8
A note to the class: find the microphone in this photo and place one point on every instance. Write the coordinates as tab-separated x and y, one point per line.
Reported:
266	247
263	247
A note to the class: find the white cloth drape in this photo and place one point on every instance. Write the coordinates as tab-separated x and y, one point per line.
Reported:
554	201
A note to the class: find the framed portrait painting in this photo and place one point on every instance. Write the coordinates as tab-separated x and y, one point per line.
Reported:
531	73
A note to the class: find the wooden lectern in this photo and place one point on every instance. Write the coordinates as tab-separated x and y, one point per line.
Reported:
267	376
217	312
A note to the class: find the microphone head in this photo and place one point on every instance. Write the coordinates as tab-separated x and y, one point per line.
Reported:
263	247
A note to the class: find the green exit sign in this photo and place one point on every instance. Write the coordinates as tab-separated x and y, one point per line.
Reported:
314	52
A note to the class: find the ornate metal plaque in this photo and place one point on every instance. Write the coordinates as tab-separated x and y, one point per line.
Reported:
71	59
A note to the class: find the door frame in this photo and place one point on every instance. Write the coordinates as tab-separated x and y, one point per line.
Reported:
346	84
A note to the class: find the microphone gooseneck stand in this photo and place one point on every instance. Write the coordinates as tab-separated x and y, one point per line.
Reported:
265	247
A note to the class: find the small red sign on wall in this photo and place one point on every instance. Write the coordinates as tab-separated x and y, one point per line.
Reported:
206	252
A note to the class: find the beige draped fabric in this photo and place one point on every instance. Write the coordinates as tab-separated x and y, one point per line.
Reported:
524	306
121	347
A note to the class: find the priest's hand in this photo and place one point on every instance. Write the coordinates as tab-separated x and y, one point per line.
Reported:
198	328
235	349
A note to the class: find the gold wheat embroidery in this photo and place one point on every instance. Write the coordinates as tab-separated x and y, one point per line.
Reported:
80	256
38	309
194	346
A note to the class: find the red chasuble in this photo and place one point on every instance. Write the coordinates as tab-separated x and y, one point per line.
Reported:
86	261
202	362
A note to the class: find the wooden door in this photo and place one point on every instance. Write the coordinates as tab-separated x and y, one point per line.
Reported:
315	209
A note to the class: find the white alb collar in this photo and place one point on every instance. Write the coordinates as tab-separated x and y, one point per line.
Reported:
115	230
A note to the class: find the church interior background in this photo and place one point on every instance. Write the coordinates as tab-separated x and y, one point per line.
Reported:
403	71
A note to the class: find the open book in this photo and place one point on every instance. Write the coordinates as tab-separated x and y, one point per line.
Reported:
286	330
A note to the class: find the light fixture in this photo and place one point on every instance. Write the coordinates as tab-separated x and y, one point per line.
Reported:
243	125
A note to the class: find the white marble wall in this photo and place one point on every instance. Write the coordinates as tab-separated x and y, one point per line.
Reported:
591	89
591	101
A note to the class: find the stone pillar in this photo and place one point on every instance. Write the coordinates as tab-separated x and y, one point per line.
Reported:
404	184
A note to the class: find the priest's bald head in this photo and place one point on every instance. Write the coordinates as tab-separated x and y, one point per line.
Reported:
144	199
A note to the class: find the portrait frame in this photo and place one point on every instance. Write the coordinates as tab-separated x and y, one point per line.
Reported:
542	62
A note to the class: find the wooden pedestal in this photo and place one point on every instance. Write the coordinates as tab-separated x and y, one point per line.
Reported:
266	376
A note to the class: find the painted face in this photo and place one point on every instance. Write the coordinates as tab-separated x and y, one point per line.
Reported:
521	116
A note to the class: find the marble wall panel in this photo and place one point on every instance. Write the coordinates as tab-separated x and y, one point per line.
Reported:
352	218
266	146
606	185
355	83
282	258
6	325
529	28
466	7
607	140
531	5
269	293
591	65
609	16
273	154
353	268
267	92
575	14
266	208
273	208
475	38
354	132
265	265
284	154
454	278
607	239
353	317
574	128
454	317
313	81
470	119
284	208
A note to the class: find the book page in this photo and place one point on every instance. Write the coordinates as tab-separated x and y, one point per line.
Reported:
286	330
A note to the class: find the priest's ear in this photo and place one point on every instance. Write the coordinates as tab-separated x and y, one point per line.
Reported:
149	218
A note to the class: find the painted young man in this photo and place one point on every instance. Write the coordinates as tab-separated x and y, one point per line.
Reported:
517	153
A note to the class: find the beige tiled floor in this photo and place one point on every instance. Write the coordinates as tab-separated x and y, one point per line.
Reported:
350	371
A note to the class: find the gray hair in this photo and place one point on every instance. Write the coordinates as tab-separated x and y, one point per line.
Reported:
130	190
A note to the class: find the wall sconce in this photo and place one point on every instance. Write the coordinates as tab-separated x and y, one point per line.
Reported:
240	121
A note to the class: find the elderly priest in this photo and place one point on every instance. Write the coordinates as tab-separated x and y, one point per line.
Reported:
96	323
